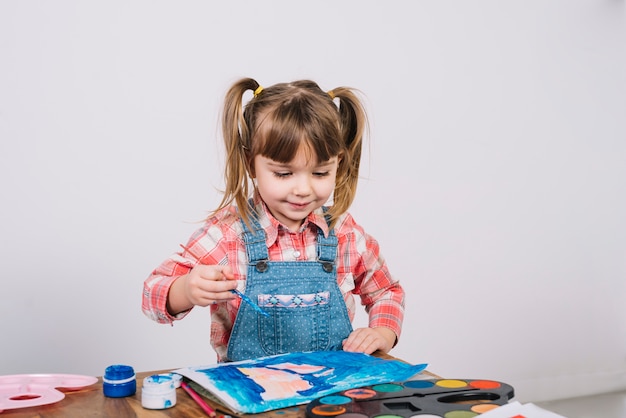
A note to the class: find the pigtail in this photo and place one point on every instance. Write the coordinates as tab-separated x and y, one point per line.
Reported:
236	134
352	127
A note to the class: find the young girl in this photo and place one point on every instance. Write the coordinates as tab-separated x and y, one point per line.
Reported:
289	150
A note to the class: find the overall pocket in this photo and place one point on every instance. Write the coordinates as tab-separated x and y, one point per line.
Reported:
297	322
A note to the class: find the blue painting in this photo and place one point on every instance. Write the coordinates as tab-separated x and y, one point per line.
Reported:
268	383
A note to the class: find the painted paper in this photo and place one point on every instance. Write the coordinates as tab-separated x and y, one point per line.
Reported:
275	382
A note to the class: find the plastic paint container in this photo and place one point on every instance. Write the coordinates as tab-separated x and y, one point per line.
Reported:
158	391
119	381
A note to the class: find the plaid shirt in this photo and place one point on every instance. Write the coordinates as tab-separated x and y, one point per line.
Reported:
361	270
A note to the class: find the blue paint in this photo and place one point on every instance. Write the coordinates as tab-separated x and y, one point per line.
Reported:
419	384
119	381
335	400
160	378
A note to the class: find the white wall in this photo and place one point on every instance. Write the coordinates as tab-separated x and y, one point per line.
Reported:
498	155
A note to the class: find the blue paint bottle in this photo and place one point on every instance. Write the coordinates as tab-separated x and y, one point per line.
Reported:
119	381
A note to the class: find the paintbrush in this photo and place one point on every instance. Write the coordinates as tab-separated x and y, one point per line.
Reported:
250	302
243	297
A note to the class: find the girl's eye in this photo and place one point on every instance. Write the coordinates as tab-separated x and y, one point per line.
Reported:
321	174
281	175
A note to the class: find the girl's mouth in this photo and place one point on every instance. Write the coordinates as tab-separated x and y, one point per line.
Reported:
298	205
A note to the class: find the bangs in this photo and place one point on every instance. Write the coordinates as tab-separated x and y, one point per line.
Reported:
296	125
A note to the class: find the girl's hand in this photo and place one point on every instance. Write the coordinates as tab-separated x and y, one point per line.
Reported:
368	340
202	286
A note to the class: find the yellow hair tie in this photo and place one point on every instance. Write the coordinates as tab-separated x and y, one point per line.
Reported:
331	94
258	91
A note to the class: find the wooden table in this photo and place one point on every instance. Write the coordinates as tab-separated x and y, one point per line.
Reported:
91	402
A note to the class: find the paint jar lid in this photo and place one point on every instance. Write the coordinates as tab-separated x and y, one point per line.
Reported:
158	383
177	378
118	372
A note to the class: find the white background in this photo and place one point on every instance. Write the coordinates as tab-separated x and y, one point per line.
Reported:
494	180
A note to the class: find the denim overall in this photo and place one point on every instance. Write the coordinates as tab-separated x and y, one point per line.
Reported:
306	309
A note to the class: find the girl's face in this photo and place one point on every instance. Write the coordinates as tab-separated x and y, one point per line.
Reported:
293	190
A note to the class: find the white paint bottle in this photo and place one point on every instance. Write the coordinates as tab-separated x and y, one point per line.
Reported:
158	392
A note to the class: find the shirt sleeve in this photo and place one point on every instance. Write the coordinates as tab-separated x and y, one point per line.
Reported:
380	293
157	286
205	247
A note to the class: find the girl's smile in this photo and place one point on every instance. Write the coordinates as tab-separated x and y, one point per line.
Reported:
298	206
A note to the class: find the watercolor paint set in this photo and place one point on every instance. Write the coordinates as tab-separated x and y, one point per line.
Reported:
434	398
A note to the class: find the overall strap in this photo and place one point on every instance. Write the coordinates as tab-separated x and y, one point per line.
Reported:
254	238
327	246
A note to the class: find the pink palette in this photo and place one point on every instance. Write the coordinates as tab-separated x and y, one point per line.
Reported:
25	390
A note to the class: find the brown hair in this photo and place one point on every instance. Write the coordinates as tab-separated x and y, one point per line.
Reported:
280	119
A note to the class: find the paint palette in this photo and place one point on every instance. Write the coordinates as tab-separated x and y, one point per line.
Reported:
26	390
435	398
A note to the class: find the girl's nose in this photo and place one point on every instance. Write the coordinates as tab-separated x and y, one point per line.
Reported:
302	187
